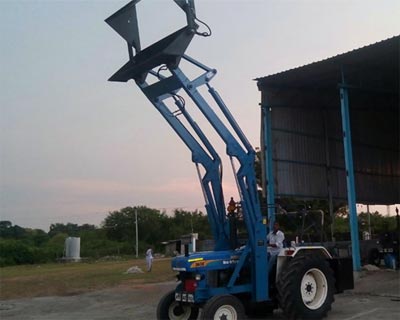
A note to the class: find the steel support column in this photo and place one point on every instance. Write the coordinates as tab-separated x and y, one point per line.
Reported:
267	149
351	191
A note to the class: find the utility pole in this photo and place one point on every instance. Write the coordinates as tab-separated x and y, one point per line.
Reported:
191	221
369	222
137	235
398	236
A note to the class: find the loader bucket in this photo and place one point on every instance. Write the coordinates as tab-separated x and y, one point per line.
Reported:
168	50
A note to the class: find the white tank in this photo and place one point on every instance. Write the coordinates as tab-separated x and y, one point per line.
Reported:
73	248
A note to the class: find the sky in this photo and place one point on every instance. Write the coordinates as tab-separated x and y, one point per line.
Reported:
74	147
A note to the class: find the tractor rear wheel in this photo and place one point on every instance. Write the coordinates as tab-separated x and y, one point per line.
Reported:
169	309
306	287
226	307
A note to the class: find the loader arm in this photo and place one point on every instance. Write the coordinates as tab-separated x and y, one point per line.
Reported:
164	93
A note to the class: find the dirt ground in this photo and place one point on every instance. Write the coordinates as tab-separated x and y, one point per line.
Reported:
376	296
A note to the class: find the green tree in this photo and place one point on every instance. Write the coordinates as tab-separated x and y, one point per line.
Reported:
39	237
55	246
15	252
152	226
6	230
95	244
71	229
185	222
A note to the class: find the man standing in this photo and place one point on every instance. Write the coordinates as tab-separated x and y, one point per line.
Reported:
149	259
275	243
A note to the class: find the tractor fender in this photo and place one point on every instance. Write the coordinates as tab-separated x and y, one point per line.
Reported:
313	249
289	253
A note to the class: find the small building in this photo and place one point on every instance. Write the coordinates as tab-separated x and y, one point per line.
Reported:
175	247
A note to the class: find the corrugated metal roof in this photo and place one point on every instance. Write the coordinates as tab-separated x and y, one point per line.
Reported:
326	72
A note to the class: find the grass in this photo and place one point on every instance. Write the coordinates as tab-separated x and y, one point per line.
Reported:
72	278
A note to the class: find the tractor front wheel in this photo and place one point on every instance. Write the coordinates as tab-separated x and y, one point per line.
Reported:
306	287
223	307
169	309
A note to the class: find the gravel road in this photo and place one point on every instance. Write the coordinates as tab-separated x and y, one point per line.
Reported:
376	296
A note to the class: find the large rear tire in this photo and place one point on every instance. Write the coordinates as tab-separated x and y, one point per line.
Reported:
169	309
306	288
225	307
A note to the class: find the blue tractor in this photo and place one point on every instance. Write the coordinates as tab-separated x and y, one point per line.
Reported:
232	281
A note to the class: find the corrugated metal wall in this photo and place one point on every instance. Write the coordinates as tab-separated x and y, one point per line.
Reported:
307	144
375	136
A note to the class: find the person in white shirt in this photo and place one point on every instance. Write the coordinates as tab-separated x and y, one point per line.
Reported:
275	243
149	259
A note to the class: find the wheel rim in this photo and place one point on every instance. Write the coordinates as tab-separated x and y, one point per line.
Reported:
226	312
314	289
179	311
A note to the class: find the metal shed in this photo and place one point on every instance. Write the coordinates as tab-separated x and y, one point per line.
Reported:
330	130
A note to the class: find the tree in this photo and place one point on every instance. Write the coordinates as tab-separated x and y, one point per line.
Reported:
6	230
39	237
15	252
55	246
5	224
71	229
152	226
119	225
185	222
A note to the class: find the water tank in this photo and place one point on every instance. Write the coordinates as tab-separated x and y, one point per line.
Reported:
73	248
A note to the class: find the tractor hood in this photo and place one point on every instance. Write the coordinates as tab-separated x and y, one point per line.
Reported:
206	260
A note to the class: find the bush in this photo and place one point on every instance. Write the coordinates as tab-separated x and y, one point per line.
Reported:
14	252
